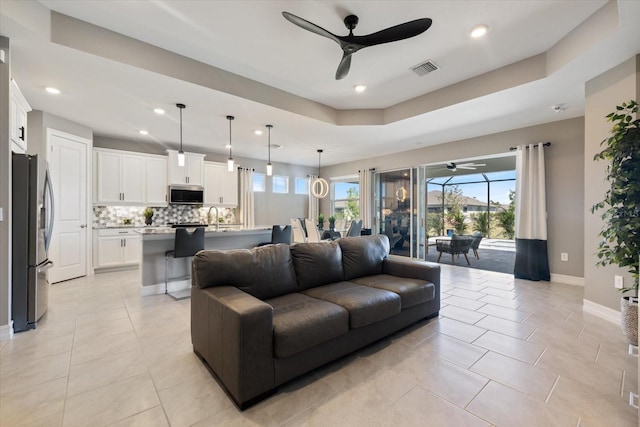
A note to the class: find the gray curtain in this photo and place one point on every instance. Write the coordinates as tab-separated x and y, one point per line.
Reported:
532	261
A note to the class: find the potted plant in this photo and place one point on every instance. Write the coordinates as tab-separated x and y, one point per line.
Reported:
332	222
320	221
620	244
148	215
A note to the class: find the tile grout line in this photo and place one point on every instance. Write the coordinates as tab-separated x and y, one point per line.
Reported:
597	353
540	357
552	389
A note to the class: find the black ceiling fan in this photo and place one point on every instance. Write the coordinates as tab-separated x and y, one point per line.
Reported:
351	44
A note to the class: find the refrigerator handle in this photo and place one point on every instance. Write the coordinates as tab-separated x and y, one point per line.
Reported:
49	189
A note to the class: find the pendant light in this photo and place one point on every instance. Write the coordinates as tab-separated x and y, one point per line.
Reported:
319	186
269	165
180	152
230	159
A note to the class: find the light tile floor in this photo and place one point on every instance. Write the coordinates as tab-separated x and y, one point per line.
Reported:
503	353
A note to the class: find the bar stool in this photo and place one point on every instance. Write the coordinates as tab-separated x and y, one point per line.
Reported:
186	245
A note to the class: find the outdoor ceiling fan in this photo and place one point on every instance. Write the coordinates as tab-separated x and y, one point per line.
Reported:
469	166
350	44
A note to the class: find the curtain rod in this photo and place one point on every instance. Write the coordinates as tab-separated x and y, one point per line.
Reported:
546	144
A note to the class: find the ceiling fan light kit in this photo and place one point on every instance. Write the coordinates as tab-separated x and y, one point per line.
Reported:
350	44
319	186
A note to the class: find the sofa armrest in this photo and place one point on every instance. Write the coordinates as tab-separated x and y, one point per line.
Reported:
412	269
233	332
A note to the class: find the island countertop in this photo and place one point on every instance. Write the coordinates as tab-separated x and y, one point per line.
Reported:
162	233
156	241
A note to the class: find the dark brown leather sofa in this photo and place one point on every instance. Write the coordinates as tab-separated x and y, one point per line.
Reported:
261	317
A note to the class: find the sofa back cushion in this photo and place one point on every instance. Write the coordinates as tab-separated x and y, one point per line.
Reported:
264	272
317	264
363	256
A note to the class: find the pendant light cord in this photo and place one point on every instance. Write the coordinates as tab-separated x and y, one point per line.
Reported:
319	154
180	129
230	156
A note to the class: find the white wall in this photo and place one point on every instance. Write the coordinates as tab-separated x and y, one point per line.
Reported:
5	192
564	166
603	93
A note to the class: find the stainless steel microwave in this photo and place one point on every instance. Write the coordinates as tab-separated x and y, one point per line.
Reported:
186	195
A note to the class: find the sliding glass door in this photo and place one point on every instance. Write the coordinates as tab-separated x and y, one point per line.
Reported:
395	194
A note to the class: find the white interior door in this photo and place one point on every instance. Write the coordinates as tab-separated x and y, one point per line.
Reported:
67	157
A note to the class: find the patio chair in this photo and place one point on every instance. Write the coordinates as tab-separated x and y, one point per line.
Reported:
475	242
456	246
394	238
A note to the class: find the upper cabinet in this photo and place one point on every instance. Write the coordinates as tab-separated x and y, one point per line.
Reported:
220	185
156	181
126	178
120	177
190	173
18	109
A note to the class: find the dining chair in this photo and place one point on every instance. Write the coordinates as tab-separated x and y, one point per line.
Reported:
297	232
354	228
313	235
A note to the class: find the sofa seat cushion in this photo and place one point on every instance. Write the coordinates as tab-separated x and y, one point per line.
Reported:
366	305
412	291
301	322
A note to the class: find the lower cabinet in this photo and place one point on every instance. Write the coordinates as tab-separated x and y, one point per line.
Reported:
117	247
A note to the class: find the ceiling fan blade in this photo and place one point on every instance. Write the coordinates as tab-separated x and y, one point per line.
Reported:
471	168
395	33
310	26
343	68
472	164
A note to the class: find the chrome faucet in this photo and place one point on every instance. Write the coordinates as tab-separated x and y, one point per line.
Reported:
209	217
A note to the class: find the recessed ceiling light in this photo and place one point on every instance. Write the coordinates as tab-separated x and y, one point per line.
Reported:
158	110
360	88
479	31
144	132
52	90
257	132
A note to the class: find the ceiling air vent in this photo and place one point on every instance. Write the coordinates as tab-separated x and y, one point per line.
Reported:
425	68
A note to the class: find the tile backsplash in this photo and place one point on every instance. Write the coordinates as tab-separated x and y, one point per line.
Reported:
104	216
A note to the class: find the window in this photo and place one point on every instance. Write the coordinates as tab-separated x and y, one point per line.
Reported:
259	182
301	186
345	197
280	184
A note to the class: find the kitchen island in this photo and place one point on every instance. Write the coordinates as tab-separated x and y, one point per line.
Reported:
157	240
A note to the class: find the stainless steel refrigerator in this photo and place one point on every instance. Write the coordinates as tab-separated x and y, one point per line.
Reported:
32	225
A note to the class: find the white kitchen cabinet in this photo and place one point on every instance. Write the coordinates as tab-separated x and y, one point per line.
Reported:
120	177
220	185
18	109
190	173
116	247
156	181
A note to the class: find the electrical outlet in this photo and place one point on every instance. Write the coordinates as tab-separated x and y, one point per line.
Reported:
564	256
618	282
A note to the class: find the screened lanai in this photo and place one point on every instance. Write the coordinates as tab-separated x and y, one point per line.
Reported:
417	206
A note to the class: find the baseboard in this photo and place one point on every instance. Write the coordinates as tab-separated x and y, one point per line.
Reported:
6	332
601	311
158	288
567	280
